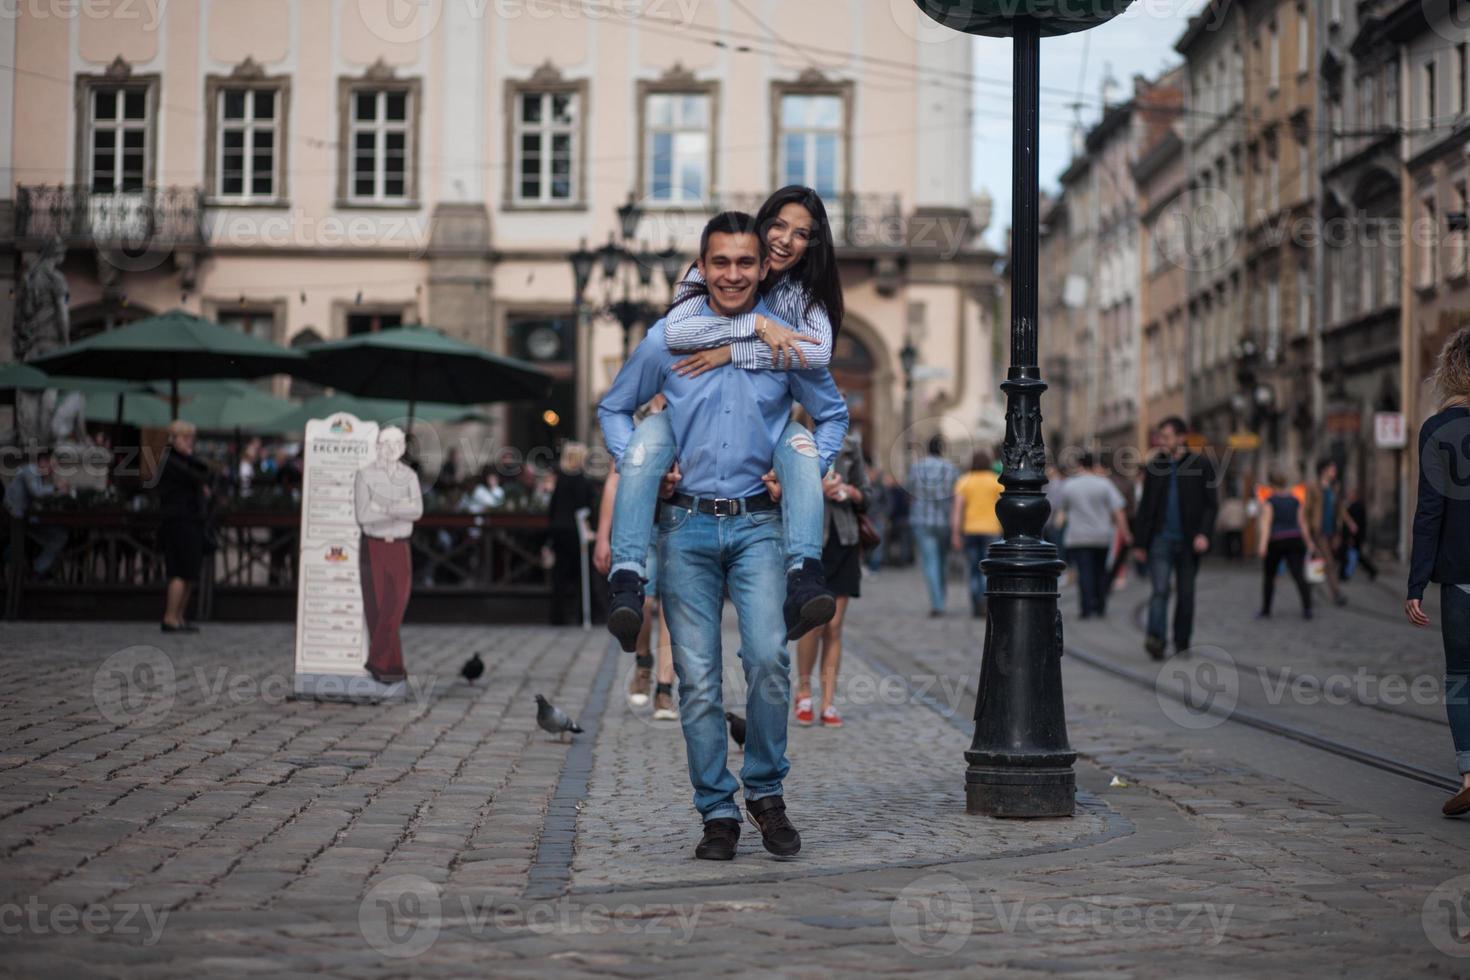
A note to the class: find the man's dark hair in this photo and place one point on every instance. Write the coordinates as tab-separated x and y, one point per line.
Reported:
1322	465
981	461
1088	461
732	223
936	445
1174	422
44	454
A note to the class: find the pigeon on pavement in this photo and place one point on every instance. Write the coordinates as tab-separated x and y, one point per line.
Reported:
554	720
473	668
737	728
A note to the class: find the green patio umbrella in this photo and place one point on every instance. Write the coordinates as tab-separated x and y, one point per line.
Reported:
418	362
219	406
380	410
17	375
171	347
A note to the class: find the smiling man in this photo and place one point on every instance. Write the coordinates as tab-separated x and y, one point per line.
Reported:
721	532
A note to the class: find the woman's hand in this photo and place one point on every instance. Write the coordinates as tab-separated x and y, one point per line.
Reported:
785	344
1414	609
701	361
602	555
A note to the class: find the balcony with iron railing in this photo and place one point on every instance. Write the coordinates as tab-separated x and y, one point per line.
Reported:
134	221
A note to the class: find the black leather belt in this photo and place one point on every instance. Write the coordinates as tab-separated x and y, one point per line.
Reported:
724	506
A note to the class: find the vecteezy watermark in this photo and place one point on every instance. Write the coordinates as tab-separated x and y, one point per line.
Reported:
933	915
38	918
135	686
147	11
1445	917
139	686
936	914
1199	691
402	916
1104	917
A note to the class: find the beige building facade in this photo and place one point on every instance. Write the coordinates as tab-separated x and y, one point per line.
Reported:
309	169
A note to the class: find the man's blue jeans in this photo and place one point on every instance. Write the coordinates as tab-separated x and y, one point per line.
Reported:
933	544
706	556
976	547
1174	559
652	450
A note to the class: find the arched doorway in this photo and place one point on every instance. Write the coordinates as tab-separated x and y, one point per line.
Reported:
852	370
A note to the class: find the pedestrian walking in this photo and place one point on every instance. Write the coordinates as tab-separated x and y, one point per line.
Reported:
1284	536
1355	540
1176	517
974	522
1094	515
573	492
1232	522
879	505
847	489
1441	551
720	528
183	495
32	482
931	489
1324	510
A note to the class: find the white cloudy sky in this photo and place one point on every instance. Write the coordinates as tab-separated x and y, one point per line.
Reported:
1140	41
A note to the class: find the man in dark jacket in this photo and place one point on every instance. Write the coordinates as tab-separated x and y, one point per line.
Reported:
1172	530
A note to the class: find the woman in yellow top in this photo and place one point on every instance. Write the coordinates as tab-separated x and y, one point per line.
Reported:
974	524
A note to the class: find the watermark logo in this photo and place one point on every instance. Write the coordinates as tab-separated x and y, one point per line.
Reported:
1445	917
1450	21
135	686
933	916
38	918
400	917
1195	232
400	21
1199	691
1445	462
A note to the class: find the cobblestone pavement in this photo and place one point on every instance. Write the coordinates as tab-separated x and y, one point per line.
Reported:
164	811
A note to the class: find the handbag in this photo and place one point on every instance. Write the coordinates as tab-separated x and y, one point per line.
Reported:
1317	570
868	536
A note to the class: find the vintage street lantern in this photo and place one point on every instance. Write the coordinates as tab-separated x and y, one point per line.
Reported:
1020	763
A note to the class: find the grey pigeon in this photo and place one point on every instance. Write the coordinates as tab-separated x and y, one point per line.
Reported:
473	668
737	728
554	720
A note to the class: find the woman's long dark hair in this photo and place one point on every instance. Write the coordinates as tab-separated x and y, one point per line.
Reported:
817	270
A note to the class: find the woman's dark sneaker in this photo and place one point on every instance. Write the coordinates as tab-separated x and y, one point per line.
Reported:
625	608
719	840
769	814
809	603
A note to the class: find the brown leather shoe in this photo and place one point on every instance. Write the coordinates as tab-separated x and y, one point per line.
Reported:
1457	804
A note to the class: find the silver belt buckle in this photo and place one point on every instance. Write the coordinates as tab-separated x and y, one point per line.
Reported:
726	507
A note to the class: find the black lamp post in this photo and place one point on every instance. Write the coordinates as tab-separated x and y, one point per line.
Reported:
614	260
1020	763
908	356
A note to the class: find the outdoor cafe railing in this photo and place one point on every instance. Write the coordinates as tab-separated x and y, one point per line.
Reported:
115	552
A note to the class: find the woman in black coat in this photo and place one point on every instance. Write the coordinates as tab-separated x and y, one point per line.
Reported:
183	491
1442	542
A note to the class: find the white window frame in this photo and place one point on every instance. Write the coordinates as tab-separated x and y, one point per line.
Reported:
119	125
1429	243
1460	240
276	126
1273	43
381	127
650	131
843	96
548	129
1303	40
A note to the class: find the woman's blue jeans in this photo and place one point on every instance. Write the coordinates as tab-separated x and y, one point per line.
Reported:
1454	615
650	453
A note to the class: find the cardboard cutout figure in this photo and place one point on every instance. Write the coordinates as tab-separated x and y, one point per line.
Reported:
388	500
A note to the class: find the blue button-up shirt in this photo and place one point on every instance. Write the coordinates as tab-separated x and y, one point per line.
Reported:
727	421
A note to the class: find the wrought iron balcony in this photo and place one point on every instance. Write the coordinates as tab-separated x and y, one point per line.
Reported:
131	221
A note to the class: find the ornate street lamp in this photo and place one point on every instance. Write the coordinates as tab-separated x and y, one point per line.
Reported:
613	260
908	357
1020	763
